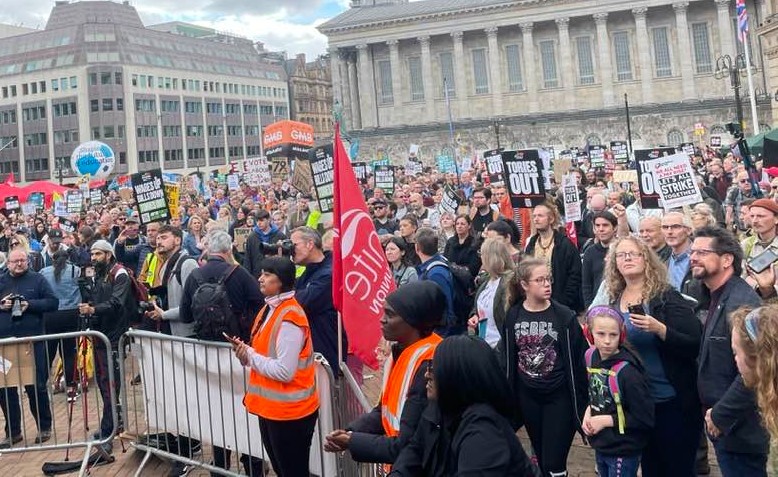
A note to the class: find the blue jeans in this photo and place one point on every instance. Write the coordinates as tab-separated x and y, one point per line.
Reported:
614	466
737	464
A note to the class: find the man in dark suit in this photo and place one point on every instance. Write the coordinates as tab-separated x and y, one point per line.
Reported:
732	418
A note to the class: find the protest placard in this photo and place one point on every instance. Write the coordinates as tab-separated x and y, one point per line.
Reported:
494	167
73	200
149	192
28	208
597	155
620	152
467	164
715	142
172	194
451	201
581	157
630	175
302	179
360	171
674	179
241	235
523	176
36	198
322	167
687	148
67	226
60	208
12	203
562	167
572	198
413	168
446	164
384	178
279	169
95	196
567	154
233	182
257	172
649	190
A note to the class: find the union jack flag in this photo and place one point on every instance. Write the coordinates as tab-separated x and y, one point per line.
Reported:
742	20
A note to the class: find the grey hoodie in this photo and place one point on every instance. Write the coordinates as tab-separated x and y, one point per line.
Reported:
175	292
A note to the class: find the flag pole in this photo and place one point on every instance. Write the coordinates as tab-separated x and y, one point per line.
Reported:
451	127
751	95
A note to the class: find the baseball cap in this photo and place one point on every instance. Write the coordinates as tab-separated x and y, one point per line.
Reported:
55	235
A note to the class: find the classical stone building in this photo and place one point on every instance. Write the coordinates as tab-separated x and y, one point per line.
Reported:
538	72
310	93
174	95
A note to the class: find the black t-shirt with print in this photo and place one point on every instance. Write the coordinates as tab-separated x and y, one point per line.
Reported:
539	358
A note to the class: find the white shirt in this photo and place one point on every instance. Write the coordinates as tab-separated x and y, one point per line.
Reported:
486	326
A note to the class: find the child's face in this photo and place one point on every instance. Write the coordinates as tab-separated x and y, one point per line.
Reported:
606	332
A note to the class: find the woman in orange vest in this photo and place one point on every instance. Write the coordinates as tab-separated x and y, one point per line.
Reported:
282	384
411	313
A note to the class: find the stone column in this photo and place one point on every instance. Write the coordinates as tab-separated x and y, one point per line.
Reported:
726	38
353	84
366	87
394	64
337	92
685	47
566	68
604	47
426	74
644	53
530	68
495	74
460	77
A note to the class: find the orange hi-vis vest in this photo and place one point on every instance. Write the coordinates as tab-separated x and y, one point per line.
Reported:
273	399
398	378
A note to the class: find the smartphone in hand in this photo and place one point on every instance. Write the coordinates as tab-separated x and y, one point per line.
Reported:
234	340
636	309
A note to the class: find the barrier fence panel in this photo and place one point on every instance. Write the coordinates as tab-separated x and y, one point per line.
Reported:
190	401
58	421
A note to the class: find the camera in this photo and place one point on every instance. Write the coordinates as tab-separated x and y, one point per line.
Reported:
286	247
16	307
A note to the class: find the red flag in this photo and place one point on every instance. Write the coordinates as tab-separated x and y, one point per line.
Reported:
361	277
571	233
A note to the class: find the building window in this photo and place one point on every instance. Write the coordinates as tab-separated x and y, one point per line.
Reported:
702	56
662	63
107	104
675	137
583	46
623	59
119	104
385	82
548	59
515	78
480	71
94	105
415	77
447	74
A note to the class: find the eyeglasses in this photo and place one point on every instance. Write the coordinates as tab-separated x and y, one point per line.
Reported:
542	280
673	227
628	255
703	252
743	181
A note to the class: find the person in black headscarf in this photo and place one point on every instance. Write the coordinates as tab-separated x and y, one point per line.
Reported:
411	314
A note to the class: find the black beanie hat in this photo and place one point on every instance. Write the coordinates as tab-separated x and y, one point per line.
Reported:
420	303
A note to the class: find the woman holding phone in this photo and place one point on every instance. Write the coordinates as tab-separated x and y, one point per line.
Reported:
662	328
282	386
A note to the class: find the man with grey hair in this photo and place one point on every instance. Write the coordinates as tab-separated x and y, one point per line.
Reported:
245	301
313	290
677	230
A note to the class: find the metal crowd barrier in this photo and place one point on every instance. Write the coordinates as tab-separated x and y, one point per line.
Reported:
26	362
189	400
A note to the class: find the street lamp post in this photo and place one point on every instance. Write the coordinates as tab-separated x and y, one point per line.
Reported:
725	66
496	124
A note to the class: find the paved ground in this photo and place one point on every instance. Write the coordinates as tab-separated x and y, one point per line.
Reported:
128	459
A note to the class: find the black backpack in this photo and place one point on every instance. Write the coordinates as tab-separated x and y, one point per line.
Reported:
211	309
463	289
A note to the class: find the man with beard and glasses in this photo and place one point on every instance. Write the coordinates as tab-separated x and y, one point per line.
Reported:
110	308
732	418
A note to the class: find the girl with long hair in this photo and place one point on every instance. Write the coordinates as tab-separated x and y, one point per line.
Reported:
755	344
664	331
407	233
194	240
446	231
543	347
469	426
507	231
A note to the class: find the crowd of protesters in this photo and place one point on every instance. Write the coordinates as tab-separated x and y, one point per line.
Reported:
651	335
